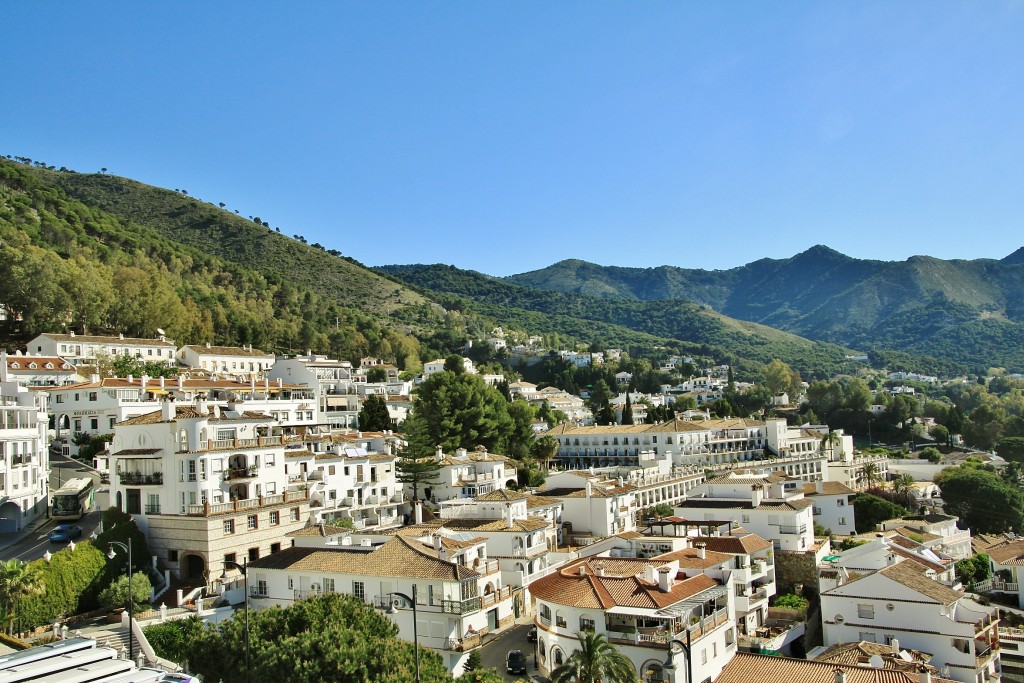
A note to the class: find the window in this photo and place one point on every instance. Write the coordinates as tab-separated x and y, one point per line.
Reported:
328	585
172	555
94	424
868	636
60	399
586	624
866	612
275	518
269	460
261	585
840	503
230	558
842	520
229	526
93	395
291	583
275	548
359	590
254	554
252	522
295	514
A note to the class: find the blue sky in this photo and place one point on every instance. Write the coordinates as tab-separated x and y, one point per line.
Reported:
503	137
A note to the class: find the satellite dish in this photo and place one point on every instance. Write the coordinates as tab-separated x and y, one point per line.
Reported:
876	662
160	331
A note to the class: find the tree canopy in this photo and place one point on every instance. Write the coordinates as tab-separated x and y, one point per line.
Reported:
984	502
457	410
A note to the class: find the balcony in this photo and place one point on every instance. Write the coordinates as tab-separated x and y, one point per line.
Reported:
793	529
371	500
303	594
236	473
141	479
490	599
152	508
209	509
398	498
233	444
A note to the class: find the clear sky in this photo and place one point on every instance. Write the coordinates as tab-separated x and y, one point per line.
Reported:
503	137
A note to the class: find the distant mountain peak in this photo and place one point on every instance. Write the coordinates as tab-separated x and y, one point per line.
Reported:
822	251
1014	258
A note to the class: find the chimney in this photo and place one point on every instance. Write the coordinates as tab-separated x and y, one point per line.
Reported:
665	581
417	512
72	333
120	335
145	381
895	646
583	570
207	344
590	489
131	378
509	517
702	552
840	675
201	404
167	412
437	542
819	486
181	383
163	382
94	378
924	674
599	568
439	453
756	494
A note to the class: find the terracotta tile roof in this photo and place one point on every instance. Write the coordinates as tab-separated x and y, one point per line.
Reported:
137	451
745	504
18	363
689	558
860	654
320	530
541	501
911	533
91	339
502	495
398	557
912	575
189	412
828	488
620	584
528	524
734	544
1008	553
746	667
226	351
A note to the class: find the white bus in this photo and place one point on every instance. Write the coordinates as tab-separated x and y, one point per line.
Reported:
73	500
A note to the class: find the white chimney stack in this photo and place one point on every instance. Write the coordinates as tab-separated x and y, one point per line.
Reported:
840	675
924	674
509	517
590	489
702	552
895	646
756	495
665	581
167	412
417	511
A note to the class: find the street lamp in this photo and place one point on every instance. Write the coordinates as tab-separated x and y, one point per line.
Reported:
127	547
245	587
675	646
415	635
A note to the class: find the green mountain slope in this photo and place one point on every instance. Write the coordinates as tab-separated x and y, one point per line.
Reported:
679	325
106	254
965	312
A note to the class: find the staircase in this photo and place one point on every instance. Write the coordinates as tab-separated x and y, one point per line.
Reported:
117	639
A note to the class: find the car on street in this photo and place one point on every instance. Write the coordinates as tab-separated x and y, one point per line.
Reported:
515	662
62	533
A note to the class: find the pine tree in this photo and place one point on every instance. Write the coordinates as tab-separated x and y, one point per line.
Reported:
627	411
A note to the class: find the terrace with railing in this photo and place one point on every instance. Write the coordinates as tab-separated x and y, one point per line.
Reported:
237	444
208	509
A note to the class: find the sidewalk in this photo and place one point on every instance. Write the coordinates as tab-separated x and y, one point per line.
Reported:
7	540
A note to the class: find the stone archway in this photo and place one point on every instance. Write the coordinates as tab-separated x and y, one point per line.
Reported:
10	517
192	568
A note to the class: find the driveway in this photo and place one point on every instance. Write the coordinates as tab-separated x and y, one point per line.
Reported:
493	652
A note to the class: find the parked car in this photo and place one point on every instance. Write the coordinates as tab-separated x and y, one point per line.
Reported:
62	533
531	635
515	662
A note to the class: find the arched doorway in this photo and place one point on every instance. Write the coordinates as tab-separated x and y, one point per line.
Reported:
193	568
10	517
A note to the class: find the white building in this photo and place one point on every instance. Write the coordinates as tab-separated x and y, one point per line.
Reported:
468	474
332	381
37	371
81	349
773	509
903	602
458	590
24	456
229	360
833	508
941	529
592	506
206	485
640	605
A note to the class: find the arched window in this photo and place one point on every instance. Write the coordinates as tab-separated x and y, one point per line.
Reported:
652	671
183	440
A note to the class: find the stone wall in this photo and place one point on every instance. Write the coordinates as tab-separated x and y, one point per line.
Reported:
793	568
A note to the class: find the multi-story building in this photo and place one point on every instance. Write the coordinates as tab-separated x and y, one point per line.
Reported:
206	485
94	407
37	371
941	530
833	508
83	349
24	456
458	590
468	474
235	361
903	602
642	606
592	506
333	383
773	509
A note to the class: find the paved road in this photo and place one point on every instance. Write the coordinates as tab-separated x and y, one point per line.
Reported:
34	544
494	651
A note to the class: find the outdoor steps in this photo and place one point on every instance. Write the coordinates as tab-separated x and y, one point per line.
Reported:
118	640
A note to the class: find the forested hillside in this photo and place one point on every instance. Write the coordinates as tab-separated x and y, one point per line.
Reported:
968	313
105	254
683	326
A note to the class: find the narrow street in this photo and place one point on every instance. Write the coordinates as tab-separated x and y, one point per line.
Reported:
494	651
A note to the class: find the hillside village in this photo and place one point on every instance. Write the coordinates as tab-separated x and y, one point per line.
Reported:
702	548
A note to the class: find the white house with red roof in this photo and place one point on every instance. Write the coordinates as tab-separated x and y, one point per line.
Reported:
84	349
37	371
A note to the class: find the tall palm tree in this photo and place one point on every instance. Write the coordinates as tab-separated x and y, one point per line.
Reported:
545	449
17	580
903	485
595	661
870	471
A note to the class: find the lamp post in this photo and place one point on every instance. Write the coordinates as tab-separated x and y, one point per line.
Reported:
127	547
415	635
675	646
245	587
870	443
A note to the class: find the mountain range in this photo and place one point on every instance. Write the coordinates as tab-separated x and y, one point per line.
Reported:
969	312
